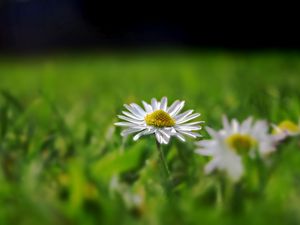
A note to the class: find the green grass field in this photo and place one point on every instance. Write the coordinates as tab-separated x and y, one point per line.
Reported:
63	161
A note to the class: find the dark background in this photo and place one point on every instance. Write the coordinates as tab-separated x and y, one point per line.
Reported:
47	25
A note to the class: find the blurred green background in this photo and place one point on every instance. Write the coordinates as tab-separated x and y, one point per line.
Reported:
63	162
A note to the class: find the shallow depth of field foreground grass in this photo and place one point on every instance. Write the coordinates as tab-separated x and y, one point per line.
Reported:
63	162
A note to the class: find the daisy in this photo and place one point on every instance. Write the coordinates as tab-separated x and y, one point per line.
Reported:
234	140
160	120
285	129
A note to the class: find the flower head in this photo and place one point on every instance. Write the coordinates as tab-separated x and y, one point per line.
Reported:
159	119
229	144
285	129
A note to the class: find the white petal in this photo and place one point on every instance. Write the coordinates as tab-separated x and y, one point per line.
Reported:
170	130
181	116
206	143
188	128
191	134
180	137
266	147
280	137
159	137
130	120
173	106
193	123
164	136
133	111
214	134
147	107
142	133
260	127
246	125
165	132
125	124
131	130
177	109
154	104
131	115
211	166
188	118
226	124
234	167
206	152
163	104
139	109
235	126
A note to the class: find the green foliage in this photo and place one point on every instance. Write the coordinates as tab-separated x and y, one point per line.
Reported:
63	162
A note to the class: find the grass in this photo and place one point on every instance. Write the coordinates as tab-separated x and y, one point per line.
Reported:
63	162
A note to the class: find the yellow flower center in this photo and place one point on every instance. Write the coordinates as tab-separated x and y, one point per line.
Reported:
241	142
289	126
159	118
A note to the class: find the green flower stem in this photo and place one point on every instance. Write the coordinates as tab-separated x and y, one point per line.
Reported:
219	195
162	158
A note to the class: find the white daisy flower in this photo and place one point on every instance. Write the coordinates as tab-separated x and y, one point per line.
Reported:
233	140
285	129
159	119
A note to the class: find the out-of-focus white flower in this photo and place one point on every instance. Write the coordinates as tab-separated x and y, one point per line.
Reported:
285	129
234	140
159	119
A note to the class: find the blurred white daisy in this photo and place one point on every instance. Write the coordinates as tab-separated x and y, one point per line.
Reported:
234	140
159	119
285	129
